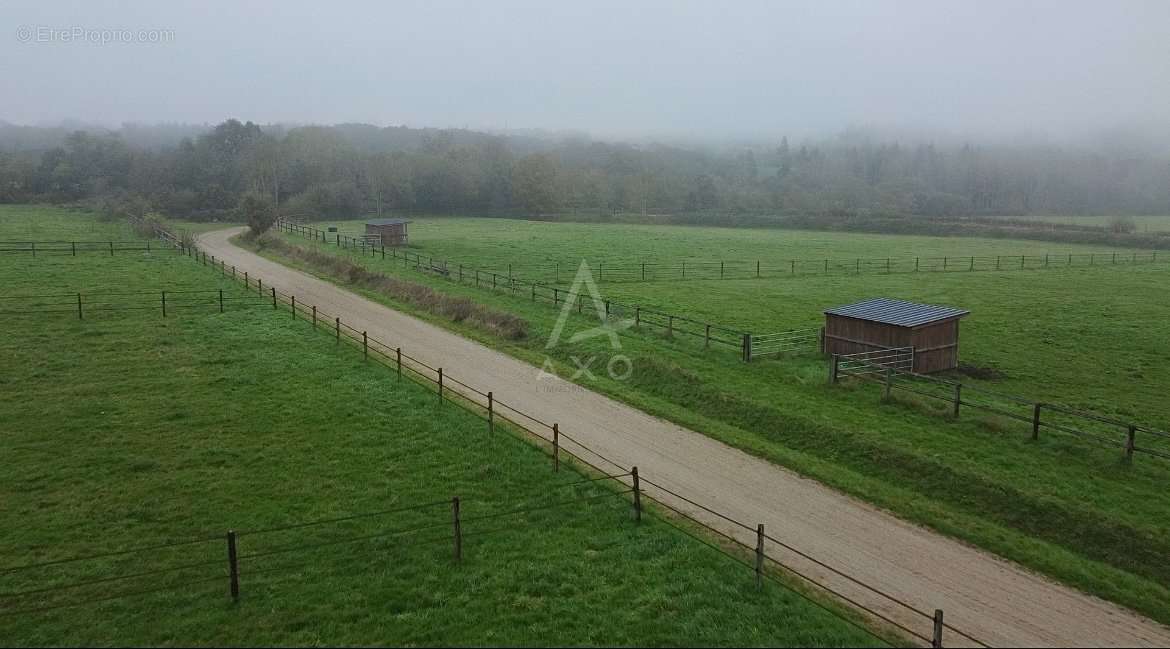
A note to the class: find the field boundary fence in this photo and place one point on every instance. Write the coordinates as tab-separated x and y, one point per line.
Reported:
668	323
624	270
892	369
834	583
74	248
83	304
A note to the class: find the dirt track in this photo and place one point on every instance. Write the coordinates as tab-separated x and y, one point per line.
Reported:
995	601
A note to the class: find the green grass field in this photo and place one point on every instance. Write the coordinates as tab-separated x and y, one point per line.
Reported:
1143	223
1091	338
126	430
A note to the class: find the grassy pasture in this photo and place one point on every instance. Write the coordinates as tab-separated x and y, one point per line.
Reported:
1093	338
1151	223
128	430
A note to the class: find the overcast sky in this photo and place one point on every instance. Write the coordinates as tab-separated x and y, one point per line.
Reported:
611	68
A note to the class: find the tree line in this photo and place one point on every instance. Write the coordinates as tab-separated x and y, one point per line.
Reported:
349	169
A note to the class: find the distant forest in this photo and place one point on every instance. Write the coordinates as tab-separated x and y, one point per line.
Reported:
336	171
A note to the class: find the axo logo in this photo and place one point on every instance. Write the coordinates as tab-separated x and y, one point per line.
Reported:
616	365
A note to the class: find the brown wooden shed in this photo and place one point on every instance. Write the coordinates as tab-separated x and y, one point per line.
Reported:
882	323
391	231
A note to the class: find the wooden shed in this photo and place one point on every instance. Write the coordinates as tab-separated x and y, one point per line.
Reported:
391	231
882	323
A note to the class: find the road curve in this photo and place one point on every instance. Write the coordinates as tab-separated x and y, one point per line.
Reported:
994	600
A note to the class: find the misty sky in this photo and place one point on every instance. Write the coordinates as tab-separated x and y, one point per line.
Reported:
611	68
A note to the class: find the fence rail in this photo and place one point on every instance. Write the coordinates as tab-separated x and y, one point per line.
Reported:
796	340
1109	432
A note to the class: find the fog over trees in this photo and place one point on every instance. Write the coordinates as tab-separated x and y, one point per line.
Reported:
351	169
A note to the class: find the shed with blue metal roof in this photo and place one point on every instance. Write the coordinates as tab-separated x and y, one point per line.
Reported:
884	323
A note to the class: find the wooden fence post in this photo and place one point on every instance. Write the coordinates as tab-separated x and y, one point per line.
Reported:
757	268
458	528
937	638
365	346
556	448
1129	442
669	326
293	303
637	495
747	348
889	383
958	399
833	367
79	316
491	412
314	316
707	337
398	353
164	304
637	316
221	300
74	248
643	271
1036	421
233	565
259	286
337	330
273	297
440	386
760	555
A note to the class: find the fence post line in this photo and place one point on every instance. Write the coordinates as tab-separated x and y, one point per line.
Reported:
757	268
111	248
1036	421
1129	442
293	302
74	248
365	347
637	495
747	348
720	270
760	555
221	300
440	385
273	297
79	316
637	316
337	330
889	383
259	286
398	353
458	528
643	271
164	304
937	639
233	565
669	326
314	316
556	448
491	412
707	337
958	398
833	365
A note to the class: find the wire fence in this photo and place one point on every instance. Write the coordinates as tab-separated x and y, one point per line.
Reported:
636	315
90	304
74	248
625	270
179	565
892	369
561	446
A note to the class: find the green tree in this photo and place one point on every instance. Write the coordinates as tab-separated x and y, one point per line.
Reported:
257	210
534	183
